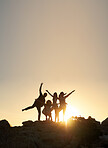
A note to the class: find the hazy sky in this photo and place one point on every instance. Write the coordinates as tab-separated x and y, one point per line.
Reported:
62	43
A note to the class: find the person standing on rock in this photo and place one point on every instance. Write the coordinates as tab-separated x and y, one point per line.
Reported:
62	99
38	103
48	109
55	105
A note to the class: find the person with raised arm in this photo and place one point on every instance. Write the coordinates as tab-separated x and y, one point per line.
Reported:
38	103
55	105
62	99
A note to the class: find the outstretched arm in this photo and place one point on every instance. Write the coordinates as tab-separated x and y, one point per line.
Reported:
40	89
49	93
69	94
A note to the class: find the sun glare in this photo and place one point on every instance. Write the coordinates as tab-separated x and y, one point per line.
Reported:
70	111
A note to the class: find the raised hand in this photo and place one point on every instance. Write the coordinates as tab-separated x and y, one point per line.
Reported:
73	90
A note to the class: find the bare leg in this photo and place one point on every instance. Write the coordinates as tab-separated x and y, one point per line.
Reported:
55	115
39	113
64	110
30	107
51	117
58	110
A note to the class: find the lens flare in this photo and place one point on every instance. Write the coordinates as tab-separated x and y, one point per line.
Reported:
70	111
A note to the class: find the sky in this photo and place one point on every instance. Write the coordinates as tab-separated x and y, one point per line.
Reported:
62	43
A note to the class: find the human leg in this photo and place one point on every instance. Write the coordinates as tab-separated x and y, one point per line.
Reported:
29	107
39	112
57	115
51	117
64	110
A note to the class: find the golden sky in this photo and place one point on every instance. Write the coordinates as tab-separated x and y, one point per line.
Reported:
63	44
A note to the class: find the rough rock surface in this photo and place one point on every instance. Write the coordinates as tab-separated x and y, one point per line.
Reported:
104	127
80	133
105	122
4	124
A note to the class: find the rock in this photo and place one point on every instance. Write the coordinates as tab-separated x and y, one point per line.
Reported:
104	127
47	134
4	124
105	122
27	123
4	132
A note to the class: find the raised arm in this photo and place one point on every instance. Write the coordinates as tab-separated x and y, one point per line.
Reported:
69	94
40	89
49	93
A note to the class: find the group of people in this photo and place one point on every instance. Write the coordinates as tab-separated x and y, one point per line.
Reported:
50	105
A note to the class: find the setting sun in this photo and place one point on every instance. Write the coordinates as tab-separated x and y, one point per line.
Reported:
70	111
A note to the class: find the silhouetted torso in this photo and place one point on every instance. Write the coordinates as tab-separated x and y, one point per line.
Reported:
38	103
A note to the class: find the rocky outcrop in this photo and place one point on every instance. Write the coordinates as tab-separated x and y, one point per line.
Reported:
104	126
76	133
4	124
105	122
43	134
4	131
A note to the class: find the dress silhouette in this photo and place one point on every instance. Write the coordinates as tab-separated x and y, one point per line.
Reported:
62	99
47	110
38	103
55	105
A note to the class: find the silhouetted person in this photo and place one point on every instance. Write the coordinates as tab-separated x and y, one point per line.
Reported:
38	103
55	105
62	99
47	110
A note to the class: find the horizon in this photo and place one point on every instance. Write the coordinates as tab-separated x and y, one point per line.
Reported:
63	44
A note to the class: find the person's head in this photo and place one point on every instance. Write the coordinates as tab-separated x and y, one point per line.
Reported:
45	94
55	94
61	94
49	102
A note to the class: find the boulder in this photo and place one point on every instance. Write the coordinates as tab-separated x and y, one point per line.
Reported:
4	124
104	126
105	122
27	123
